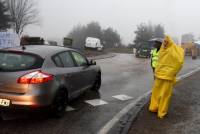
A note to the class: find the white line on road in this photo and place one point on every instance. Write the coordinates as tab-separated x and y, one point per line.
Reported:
105	129
110	124
68	109
122	97
96	102
181	77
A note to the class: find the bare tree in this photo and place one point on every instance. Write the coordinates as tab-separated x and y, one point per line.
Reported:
23	13
5	17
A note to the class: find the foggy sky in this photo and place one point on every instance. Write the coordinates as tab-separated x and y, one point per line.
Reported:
58	17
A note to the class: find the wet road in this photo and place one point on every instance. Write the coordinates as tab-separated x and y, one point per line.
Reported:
123	74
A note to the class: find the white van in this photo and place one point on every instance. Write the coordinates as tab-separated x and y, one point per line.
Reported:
93	43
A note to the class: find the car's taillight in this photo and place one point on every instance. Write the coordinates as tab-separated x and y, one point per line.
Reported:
36	77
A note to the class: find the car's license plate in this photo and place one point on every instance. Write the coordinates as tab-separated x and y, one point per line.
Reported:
4	102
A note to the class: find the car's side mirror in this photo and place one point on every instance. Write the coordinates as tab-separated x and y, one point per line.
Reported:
92	62
84	64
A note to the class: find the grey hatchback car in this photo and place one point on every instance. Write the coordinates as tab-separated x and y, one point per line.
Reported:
38	76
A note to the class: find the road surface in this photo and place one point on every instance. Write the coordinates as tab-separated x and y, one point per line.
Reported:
121	75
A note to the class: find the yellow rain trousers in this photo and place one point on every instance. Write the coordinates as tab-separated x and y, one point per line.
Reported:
170	62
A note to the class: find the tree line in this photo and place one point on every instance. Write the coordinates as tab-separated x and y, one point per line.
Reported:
109	37
18	14
145	32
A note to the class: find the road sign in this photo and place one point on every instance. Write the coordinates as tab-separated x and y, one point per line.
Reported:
9	40
67	42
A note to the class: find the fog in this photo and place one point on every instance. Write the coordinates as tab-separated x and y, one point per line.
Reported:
58	17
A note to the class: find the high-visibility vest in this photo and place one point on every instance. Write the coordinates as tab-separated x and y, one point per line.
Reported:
154	57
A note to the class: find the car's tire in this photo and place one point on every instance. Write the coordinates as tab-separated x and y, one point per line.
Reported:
97	83
60	103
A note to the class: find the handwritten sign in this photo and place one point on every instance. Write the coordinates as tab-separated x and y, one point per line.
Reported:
9	40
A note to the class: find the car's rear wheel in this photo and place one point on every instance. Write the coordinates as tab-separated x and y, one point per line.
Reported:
59	104
97	83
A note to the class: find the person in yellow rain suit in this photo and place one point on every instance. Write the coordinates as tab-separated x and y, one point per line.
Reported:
170	61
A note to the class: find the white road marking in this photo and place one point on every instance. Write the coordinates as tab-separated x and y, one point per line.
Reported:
109	125
122	97
68	109
181	77
96	102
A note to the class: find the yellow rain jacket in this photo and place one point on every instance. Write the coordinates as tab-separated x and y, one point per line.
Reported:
170	62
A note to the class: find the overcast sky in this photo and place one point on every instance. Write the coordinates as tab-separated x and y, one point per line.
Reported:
58	17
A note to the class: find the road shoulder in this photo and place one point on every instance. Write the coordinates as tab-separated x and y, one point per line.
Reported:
183	116
121	122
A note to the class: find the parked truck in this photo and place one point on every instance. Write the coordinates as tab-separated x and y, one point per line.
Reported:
191	49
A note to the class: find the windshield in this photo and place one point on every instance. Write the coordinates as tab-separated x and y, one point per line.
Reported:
10	62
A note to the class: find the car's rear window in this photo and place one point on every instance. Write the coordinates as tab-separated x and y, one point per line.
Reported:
12	61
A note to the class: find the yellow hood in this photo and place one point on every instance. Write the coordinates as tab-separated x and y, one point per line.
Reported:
170	61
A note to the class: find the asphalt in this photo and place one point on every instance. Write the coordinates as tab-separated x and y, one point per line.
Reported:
183	116
121	74
104	56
